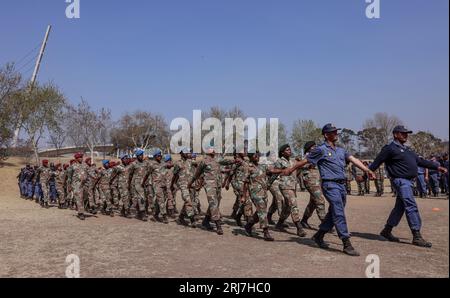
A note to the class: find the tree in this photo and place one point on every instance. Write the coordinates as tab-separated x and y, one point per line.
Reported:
140	130
372	139
40	107
425	143
385	124
304	131
10	83
347	139
58	134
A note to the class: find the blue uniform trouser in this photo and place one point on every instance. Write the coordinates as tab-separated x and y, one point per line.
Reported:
434	183
336	195
30	189
38	192
405	204
421	184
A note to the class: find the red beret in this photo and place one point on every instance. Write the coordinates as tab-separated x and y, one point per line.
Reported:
78	155
45	161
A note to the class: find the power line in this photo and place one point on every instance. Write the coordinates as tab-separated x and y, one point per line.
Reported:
33	59
27	55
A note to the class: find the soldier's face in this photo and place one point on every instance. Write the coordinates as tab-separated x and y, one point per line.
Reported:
140	157
287	152
158	158
332	136
402	137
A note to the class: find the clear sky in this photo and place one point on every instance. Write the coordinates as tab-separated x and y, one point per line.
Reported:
292	59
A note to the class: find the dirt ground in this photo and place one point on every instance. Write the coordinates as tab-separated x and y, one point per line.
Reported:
35	243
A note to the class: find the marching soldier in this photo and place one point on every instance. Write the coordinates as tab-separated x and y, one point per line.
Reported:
76	178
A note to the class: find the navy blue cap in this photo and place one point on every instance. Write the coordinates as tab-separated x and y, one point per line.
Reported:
329	128
401	128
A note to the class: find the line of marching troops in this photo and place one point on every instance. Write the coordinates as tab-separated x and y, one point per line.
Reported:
142	186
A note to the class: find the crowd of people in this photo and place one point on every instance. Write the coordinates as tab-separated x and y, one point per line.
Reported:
140	186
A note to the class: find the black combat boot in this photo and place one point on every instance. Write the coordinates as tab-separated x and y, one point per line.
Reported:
300	232
269	219
249	227
387	234
348	248
206	224
193	222
219	227
318	238
165	220
81	216
419	241
267	236
181	221
233	214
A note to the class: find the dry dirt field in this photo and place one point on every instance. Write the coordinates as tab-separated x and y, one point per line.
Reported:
35	242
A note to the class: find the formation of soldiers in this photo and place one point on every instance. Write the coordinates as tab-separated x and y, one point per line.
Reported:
141	186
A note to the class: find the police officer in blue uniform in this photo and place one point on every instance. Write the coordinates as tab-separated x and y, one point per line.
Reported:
331	162
402	164
422	182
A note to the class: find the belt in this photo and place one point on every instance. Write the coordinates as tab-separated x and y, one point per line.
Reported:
339	181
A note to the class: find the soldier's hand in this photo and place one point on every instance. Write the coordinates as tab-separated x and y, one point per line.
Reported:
372	175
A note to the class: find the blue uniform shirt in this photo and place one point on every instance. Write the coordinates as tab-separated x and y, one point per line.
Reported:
330	161
421	171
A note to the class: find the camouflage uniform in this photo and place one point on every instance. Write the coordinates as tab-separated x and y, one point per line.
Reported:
77	176
357	172
239	175
348	181
169	195
195	191
277	198
123	179
379	181
139	175
60	179
89	185
210	168
288	190
183	171
258	186
45	175
311	177
104	184
157	173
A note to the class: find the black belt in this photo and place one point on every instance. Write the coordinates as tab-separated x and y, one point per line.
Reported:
340	181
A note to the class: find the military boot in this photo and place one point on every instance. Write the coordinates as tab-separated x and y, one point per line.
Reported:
238	218
348	248
305	224
249	227
267	236
300	232
280	226
318	238
165	220
387	234
269	219
219	228
206	224
193	222
81	216
419	241
181	221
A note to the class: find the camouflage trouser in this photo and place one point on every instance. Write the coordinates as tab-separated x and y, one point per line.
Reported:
160	200
105	197
213	202
367	186
70	198
149	195
61	194
244	208
187	209
379	185
261	210
290	206
115	195
277	199
125	200
348	186
138	197
170	196
45	192
195	197
316	202
361	188
89	193
77	189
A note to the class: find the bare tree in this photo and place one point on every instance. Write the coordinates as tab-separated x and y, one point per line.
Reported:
385	124
425	143
304	131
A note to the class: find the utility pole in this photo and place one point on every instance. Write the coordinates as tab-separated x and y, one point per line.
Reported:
33	79
41	54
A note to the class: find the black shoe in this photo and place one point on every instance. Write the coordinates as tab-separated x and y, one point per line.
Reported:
419	241
387	234
165	220
193	222
180	220
270	220
81	216
280	226
249	228
348	248
318	239
206	224
219	228
238	219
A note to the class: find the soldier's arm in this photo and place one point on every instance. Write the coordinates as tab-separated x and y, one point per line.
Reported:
197	174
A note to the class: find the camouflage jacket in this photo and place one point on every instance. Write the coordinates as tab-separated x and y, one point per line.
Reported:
139	173
76	174
210	168
44	175
157	172
286	182
311	176
123	176
257	180
239	172
105	176
184	170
